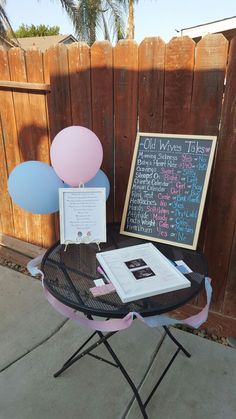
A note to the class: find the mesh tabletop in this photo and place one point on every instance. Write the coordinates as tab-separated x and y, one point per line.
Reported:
69	275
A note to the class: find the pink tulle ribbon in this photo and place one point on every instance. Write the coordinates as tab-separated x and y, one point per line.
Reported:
112	325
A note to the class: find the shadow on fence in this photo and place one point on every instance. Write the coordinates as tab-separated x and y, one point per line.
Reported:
172	88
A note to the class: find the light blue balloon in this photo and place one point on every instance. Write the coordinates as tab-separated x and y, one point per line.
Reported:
100	180
33	186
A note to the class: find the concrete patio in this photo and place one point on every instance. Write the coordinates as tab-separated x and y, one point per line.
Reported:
35	341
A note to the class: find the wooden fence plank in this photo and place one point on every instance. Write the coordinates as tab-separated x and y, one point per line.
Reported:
7	116
22	108
222	207
209	73
103	110
179	62
9	255
5	201
24	129
1	225
27	249
11	142
24	86
57	75
125	113
151	84
80	84
179	66
34	68
216	324
56	70
40	137
229	303
208	86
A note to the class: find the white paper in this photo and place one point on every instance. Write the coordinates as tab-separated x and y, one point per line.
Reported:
141	271
82	215
185	269
99	282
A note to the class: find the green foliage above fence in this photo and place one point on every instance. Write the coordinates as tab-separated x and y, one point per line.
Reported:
25	31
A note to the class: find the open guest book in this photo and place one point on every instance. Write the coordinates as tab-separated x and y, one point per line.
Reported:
141	271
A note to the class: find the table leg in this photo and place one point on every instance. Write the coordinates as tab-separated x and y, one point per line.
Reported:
161	377
127	377
180	348
176	341
104	339
78	354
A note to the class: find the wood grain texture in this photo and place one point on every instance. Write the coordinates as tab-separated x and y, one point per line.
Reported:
229	303
103	110
179	64
14	257
11	141
9	148
151	57
125	114
24	86
8	116
20	246
208	84
208	88
217	324
37	103
40	134
23	115
56	69
219	233
7	224
80	84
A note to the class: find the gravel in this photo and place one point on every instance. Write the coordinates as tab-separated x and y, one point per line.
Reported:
14	266
223	340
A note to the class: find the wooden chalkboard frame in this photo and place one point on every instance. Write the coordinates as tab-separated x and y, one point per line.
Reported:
203	196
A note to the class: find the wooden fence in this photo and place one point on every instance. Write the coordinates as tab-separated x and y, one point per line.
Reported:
177	87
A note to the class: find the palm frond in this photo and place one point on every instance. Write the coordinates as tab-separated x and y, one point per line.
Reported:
5	24
70	7
117	10
88	15
105	27
86	20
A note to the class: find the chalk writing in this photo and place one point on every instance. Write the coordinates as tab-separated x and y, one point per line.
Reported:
167	187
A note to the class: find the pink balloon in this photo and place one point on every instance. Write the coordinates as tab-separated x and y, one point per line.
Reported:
76	155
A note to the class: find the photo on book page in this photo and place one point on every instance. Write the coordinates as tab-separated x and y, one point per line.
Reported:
135	263
140	271
143	273
139	268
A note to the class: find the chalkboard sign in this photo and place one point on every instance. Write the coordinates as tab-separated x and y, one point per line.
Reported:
167	188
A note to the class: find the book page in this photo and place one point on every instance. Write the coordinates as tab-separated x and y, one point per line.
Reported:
141	269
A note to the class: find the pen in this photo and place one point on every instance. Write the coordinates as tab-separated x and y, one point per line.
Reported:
101	271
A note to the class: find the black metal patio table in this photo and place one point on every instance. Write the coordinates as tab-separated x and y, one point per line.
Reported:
69	275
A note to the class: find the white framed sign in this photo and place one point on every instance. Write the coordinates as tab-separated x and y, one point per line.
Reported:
82	215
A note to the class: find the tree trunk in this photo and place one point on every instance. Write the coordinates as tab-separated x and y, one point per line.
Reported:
92	30
130	25
92	35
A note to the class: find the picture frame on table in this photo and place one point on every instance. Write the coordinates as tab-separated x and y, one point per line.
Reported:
82	215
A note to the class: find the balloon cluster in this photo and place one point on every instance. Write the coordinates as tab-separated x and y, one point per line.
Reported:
76	156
